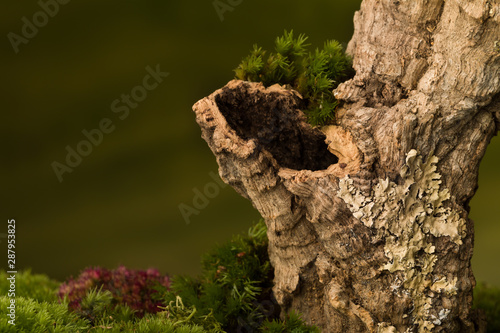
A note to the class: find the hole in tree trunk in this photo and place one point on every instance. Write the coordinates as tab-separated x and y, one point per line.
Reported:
273	119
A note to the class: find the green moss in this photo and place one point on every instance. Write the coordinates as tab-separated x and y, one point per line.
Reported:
235	289
95	306
180	314
292	323
39	317
236	278
232	295
153	324
36	286
312	74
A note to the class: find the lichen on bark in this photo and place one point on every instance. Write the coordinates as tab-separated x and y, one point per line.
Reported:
409	216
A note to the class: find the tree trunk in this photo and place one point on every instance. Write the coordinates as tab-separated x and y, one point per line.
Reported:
368	219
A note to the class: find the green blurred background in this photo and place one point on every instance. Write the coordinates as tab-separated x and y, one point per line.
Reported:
121	204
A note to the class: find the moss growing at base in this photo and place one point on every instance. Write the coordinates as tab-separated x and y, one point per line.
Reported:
236	279
313	74
232	295
292	323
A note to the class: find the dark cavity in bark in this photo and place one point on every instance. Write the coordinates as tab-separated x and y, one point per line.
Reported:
277	125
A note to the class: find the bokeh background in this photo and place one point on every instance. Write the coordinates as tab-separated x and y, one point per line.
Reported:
121	204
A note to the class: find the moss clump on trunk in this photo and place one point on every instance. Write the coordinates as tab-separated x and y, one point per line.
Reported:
313	74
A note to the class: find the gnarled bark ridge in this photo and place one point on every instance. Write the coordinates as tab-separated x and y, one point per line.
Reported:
368	219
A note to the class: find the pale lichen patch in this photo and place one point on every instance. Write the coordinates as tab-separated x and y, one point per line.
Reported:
385	328
441	316
443	286
408	214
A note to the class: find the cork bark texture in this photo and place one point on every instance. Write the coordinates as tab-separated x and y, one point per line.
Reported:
368	218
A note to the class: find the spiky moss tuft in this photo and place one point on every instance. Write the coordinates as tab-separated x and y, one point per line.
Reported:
36	286
312	74
39	317
236	279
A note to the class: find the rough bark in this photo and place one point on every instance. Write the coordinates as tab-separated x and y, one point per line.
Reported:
364	235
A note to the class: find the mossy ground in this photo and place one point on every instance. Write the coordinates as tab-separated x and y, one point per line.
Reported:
233	294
